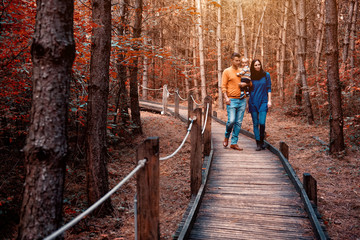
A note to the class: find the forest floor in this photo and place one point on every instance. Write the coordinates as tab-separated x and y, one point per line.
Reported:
338	178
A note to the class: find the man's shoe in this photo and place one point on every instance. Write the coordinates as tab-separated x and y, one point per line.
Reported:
235	147
226	142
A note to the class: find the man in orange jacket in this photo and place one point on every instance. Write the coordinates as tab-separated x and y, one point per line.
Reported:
235	99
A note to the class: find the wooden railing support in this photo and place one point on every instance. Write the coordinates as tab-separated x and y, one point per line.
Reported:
164	99
310	186
177	100
207	132
284	149
190	106
148	193
196	152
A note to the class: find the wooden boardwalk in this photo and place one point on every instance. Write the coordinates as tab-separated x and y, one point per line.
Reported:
248	195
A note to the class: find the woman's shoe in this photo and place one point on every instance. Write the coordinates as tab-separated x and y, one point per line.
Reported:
258	146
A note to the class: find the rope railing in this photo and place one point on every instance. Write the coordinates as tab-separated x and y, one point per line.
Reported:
199	104
177	92
182	144
168	92
61	230
206	117
150	88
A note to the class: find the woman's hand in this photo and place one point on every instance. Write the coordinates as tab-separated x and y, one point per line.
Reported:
269	104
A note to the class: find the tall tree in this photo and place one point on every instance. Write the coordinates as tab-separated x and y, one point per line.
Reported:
353	32
347	31
333	81
121	100
301	54
243	36
96	148
53	52
259	29
282	53
134	94
219	54
201	49
237	27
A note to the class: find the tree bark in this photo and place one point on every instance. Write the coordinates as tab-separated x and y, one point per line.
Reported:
121	101
333	83
347	32
134	94
96	148
283	52
302	59
201	50
237	27
259	28
353	35
298	83
243	36
53	52
319	36
219	54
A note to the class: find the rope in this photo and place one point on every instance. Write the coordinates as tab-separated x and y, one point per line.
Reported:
206	116
141	164
181	145
169	92
150	88
195	101
183	99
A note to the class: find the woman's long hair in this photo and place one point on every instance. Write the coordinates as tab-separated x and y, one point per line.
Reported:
256	75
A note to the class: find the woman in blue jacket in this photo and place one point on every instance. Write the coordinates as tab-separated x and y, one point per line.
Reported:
259	101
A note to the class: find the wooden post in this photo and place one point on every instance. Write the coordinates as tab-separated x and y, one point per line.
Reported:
190	106
164	100
207	132
196	155
284	149
148	190
310	186
177	100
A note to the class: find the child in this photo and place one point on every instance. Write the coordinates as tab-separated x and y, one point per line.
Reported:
245	75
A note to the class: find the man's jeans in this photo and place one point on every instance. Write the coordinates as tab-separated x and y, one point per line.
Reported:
235	112
259	118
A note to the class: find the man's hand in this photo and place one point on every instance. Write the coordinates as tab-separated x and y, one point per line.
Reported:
227	101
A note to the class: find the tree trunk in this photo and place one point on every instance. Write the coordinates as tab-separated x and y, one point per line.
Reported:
333	83
298	83
145	74
283	52
258	32
243	36
96	149
347	32
252	36
237	27
53	52
319	37
302	59
353	35
201	51
219	53
121	101
134	95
